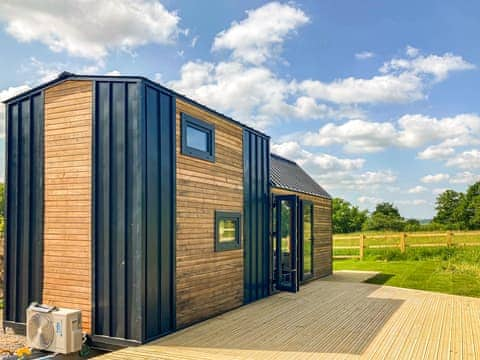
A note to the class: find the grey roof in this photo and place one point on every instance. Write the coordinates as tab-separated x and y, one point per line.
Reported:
287	174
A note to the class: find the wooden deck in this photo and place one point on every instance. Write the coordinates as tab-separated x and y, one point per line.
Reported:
331	320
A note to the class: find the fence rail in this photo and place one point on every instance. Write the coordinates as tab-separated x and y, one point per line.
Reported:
403	242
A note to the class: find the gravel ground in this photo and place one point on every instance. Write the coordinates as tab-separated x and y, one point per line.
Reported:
8	340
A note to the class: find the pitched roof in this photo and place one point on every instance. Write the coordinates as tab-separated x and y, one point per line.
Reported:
287	174
70	76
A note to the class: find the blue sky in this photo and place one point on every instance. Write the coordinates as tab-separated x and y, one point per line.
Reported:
377	100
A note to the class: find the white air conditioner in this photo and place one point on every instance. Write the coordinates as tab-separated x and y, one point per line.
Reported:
54	329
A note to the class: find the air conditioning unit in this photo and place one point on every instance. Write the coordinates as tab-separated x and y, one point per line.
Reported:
54	329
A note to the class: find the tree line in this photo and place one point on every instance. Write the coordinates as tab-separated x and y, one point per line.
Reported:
454	211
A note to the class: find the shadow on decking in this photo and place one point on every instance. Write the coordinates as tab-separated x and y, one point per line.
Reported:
324	317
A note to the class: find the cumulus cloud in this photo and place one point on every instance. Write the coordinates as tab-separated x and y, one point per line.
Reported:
417	189
387	88
412	202
90	28
261	34
436	152
4	95
369	200
438	66
466	160
410	131
358	136
465	177
364	55
436	178
316	163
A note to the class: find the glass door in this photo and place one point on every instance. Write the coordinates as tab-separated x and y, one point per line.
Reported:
286	247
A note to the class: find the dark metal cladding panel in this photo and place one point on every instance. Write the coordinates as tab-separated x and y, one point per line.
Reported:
256	216
24	210
160	190
117	204
133	211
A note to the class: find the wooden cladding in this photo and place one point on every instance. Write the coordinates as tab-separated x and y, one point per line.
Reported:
322	231
67	204
208	282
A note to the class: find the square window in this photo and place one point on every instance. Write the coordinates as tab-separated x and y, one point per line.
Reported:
198	138
227	231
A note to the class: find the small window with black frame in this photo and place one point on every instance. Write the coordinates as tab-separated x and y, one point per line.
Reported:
198	138
227	231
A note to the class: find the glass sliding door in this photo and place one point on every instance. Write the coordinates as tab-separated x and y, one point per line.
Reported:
307	239
286	242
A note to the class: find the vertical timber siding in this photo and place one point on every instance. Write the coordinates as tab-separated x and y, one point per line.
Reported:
24	224
208	282
68	163
322	231
256	155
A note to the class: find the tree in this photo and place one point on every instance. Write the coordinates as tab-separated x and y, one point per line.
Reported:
387	209
448	206
470	207
385	217
346	218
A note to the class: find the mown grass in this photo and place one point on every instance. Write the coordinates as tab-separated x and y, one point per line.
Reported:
453	270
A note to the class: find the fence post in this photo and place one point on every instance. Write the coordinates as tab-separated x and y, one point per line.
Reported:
402	242
362	246
449	238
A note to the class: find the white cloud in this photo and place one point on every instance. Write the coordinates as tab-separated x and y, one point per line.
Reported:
466	160
388	88
371	200
411	51
436	178
417	189
113	73
410	131
358	136
412	202
4	95
194	41
417	130
438	191
438	66
403	80
316	163
260	36
436	152
90	28
465	177
253	95
364	55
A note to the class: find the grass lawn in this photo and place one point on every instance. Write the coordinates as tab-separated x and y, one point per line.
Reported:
446	270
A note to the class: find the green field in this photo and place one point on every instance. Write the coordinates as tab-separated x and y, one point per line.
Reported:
451	270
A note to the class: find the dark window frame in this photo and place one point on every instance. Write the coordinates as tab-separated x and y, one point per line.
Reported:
308	276
197	124
231	245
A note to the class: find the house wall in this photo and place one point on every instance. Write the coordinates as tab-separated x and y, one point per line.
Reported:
208	282
24	211
67	205
322	231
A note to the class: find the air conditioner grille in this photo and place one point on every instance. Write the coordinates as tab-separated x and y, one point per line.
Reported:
41	331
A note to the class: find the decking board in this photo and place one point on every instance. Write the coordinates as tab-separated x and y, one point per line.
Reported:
331	320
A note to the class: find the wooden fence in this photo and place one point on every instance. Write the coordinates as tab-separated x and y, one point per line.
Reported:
403	241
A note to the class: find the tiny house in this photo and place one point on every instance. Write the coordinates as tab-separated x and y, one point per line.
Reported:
149	211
